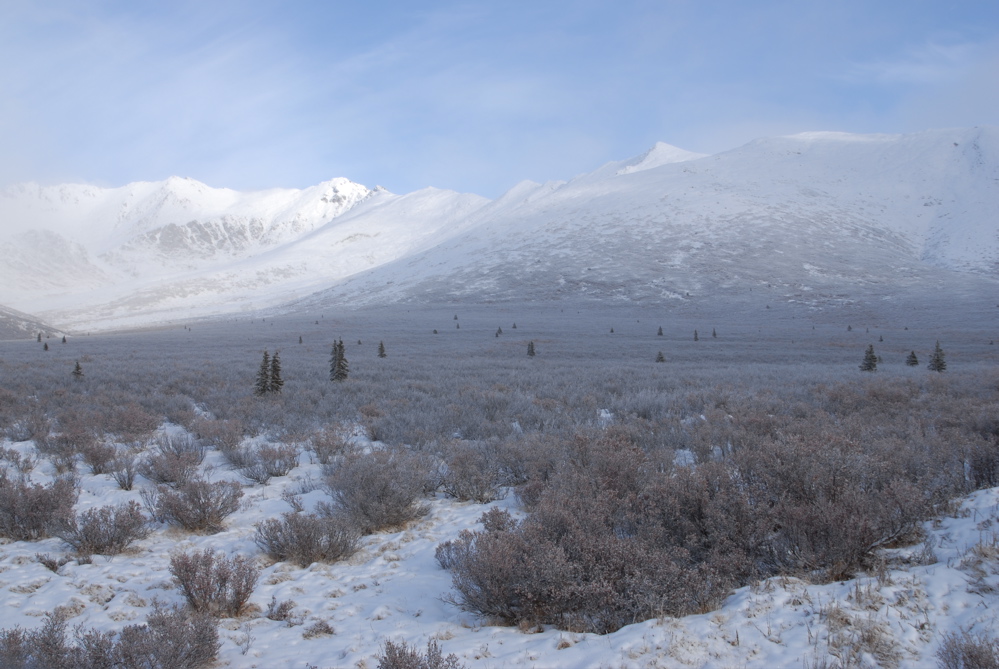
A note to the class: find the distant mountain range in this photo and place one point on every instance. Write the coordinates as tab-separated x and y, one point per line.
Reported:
815	217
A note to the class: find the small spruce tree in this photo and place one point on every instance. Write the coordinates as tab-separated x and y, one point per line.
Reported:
64	339
263	383
514	326
912	360
381	350
870	362
695	335
45	346
937	363
299	339
78	371
499	331
339	369
530	349
660	357
714	334
39	337
881	338
276	382
659	333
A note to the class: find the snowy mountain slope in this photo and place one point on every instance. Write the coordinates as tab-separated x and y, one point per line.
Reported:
174	249
17	325
815	216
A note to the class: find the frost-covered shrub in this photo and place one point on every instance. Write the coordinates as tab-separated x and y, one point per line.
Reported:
105	531
213	583
22	464
29	511
269	460
403	656
472	472
969	651
129	421
171	637
329	443
123	469
174	460
198	505
307	538
98	456
379	489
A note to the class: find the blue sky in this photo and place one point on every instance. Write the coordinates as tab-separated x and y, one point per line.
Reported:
472	96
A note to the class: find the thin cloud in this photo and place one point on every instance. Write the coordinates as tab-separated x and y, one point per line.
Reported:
930	63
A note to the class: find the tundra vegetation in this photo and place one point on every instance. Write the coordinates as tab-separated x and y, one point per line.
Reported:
642	489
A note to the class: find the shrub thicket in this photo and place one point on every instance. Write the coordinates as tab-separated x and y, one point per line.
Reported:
104	531
198	505
379	489
170	638
307	538
213	583
29	511
403	656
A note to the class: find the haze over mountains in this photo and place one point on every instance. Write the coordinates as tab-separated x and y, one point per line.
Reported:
818	219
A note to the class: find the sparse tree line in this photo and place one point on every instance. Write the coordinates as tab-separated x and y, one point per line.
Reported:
937	360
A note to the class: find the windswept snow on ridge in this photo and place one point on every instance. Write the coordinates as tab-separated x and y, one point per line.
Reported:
660	154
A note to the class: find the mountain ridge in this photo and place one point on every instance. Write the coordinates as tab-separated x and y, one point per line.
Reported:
817	213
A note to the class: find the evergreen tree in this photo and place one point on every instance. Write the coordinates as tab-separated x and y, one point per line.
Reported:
39	337
381	350
45	346
457	326
499	331
530	349
612	330
881	338
937	363
870	362
64	339
714	334
912	360
435	331
660	332
78	371
263	384
849	328
456	317
695	335
276	381
660	357
299	339
514	326
339	369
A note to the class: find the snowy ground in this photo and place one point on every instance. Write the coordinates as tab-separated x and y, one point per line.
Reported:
394	589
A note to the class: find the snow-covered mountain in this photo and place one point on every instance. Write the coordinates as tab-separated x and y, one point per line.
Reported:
819	218
149	252
815	216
